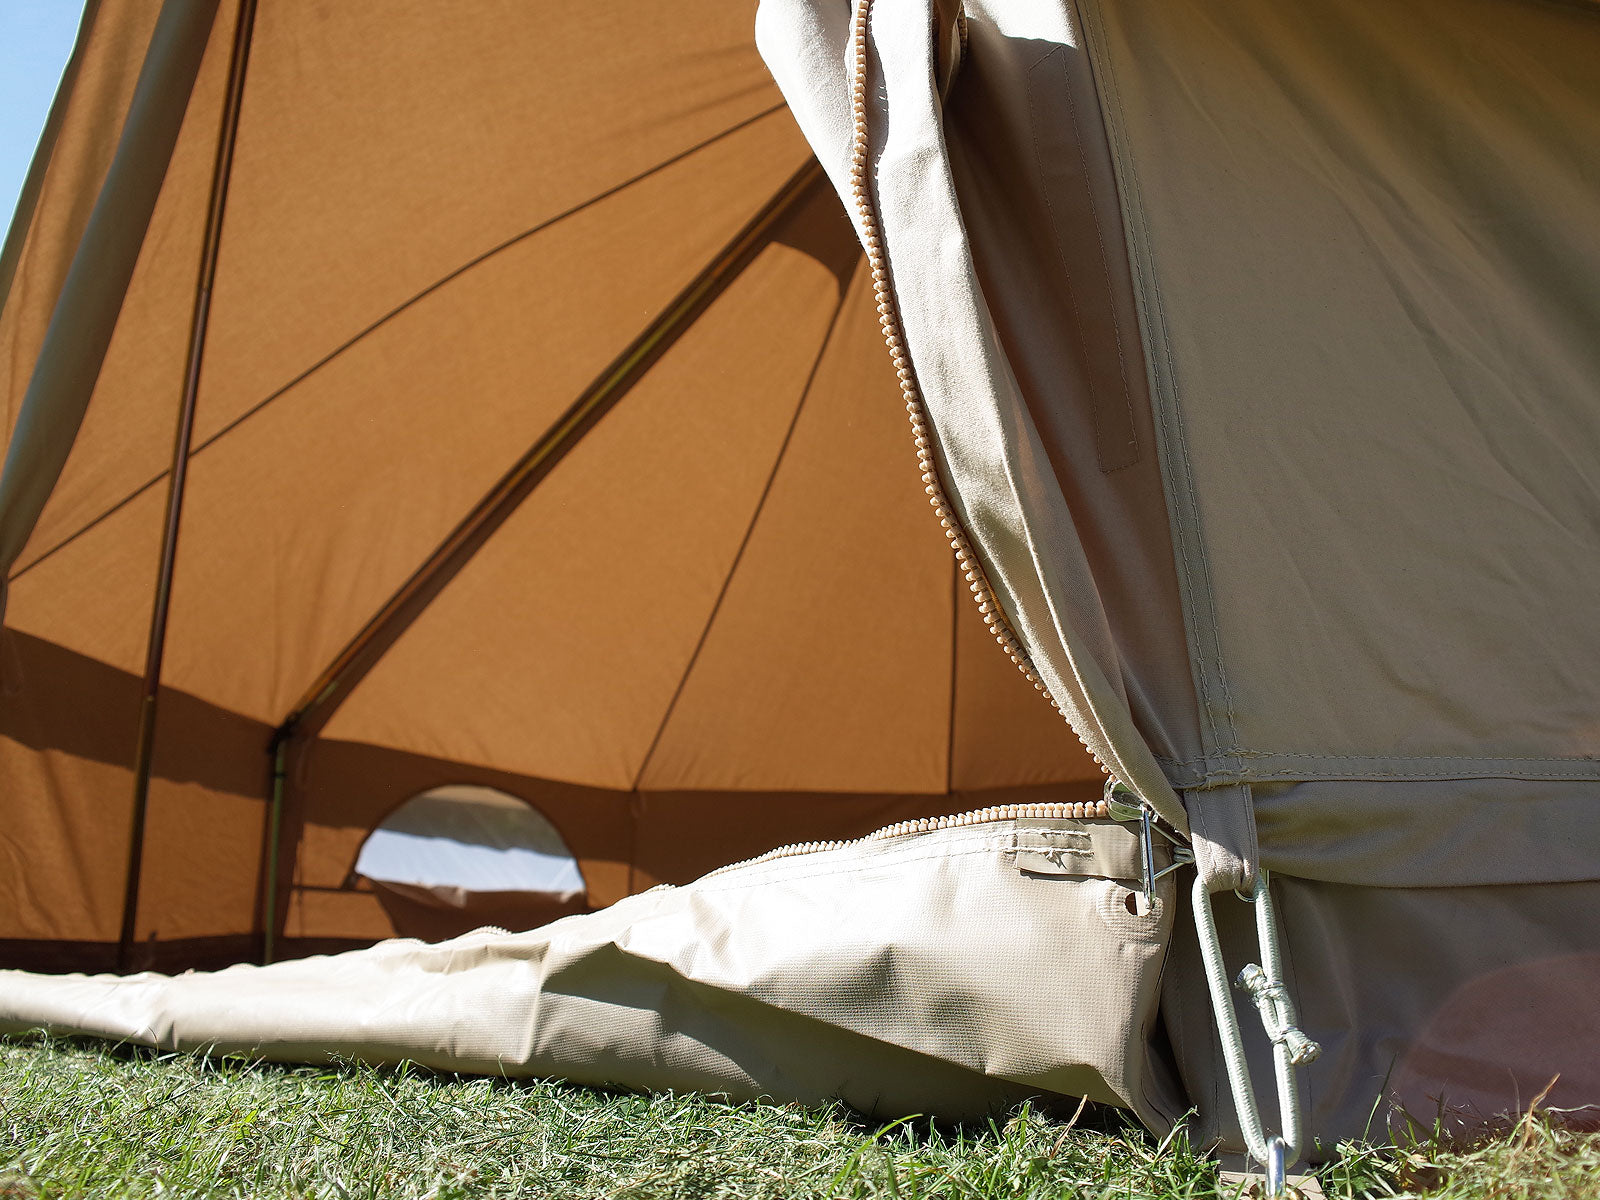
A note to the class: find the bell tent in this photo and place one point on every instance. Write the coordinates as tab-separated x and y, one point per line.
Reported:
485	433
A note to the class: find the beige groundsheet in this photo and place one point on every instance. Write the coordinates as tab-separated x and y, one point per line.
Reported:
947	972
950	973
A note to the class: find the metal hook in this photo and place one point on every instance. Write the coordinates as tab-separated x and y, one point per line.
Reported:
1291	1048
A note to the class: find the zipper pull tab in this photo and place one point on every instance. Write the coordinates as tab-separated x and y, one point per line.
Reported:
1122	802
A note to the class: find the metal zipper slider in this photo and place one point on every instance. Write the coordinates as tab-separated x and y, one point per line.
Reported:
1123	804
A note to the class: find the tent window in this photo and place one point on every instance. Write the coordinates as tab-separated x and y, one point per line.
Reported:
455	858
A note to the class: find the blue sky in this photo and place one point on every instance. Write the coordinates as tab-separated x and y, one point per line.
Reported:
35	39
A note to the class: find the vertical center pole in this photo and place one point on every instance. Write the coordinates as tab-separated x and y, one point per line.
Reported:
178	476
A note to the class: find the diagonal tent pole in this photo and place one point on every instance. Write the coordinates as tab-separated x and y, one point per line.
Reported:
227	139
323	698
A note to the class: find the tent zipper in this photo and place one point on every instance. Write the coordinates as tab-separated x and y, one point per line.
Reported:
893	335
1047	811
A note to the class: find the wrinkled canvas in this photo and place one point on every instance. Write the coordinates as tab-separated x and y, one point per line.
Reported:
948	973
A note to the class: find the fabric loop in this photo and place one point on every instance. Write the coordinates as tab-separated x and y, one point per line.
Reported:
1222	829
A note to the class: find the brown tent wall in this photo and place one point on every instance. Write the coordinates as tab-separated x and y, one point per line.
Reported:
722	621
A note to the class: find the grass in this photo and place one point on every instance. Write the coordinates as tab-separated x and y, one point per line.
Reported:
87	1119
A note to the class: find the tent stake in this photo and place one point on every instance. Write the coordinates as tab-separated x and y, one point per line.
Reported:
221	171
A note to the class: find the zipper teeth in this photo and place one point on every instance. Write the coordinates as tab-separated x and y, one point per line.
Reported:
966	560
1053	810
888	317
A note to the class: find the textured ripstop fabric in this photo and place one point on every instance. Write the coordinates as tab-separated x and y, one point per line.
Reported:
1368	238
992	459
1448	1004
846	973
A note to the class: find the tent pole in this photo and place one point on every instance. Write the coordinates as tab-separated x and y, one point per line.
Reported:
329	689
222	169
269	901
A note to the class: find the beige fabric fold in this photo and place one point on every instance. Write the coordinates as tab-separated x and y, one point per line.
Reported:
86	313
1034	178
931	972
992	460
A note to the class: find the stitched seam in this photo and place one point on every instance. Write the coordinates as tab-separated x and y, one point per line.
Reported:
1192	516
1201	624
1370	769
1456	758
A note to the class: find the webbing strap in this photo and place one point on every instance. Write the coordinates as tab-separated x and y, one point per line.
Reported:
1222	830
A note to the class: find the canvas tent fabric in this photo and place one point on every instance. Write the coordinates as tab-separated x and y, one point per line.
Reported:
968	186
829	974
1255	352
383	343
1234	136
